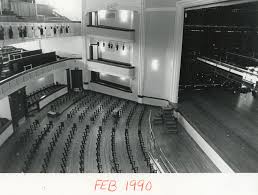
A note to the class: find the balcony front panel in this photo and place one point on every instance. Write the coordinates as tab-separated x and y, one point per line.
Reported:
123	35
111	69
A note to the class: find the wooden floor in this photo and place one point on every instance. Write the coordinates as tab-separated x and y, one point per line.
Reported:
181	150
228	122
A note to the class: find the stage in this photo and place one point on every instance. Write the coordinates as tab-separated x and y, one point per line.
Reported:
228	123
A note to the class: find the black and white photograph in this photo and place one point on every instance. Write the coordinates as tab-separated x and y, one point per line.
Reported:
128	86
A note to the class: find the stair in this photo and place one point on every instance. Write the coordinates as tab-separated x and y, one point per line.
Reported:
166	118
169	120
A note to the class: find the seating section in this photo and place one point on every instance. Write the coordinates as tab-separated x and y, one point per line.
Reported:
35	97
16	60
78	140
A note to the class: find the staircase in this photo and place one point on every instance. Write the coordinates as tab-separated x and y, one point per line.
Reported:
166	118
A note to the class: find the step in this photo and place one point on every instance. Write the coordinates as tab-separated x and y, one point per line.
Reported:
172	131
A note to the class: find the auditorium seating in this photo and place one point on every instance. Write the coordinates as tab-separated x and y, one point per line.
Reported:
82	149
63	144
41	93
15	60
35	146
115	163
67	147
50	148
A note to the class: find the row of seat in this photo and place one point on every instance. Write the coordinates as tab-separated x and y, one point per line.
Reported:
98	144
128	147
39	94
115	163
142	144
109	111
58	132
129	118
68	144
129	152
55	106
82	148
40	89
99	108
28	132
35	147
34	127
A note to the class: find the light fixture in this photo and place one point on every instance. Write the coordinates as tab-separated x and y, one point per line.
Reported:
102	49
155	65
41	79
124	15
124	51
123	78
102	14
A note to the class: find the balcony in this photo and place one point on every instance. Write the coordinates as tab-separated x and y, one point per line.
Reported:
104	32
18	32
112	68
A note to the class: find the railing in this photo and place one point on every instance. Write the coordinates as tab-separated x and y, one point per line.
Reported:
158	152
35	68
17	81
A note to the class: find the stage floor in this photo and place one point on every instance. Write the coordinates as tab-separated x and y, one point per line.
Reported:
182	151
228	122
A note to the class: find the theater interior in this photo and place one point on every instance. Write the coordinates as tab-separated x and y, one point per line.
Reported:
141	86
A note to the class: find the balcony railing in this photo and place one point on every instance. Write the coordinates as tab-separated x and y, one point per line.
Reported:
19	80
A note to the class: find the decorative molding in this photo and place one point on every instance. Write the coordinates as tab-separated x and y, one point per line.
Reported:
141	49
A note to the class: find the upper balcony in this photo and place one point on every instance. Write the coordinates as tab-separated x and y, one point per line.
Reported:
16	32
116	25
18	66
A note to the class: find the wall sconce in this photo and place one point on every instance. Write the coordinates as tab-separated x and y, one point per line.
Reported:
155	65
102	14
124	15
